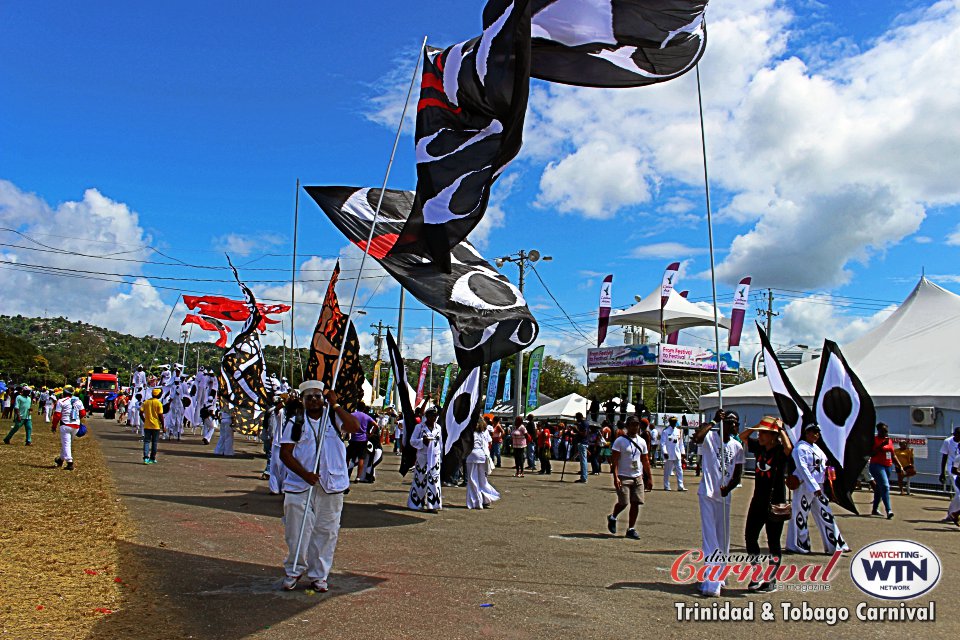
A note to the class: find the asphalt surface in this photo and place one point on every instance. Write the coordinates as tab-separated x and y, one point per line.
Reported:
539	564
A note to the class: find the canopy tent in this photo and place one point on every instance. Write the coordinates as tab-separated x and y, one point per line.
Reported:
910	359
678	313
565	408
503	409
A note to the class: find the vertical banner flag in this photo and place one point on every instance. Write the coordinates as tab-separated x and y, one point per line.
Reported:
740	299
675	336
533	379
606	298
423	376
446	384
376	381
666	287
506	388
388	394
492	379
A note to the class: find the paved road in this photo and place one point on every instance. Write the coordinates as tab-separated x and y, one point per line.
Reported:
211	536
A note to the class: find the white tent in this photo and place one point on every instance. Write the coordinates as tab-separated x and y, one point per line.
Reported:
678	313
911	358
565	408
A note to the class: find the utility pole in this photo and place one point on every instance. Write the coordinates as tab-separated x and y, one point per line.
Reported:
378	339
768	313
520	258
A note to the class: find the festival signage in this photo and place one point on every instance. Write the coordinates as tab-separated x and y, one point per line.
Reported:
533	379
492	379
696	358
423	376
606	301
740	300
639	355
626	355
446	384
506	388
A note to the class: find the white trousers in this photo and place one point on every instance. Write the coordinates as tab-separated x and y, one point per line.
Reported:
805	504
672	466
277	470
715	531
47	413
209	426
480	493
319	534
224	442
67	434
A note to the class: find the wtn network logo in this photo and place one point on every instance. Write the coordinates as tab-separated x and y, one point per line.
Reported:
895	569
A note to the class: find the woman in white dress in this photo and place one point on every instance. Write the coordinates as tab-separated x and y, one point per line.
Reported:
480	493
425	490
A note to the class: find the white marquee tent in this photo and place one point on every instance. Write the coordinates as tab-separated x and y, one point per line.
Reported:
912	359
565	408
679	313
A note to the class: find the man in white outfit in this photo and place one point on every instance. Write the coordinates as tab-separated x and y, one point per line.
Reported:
67	417
722	468
319	519
810	498
671	444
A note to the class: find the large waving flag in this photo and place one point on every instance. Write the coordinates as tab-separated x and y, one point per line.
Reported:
740	299
223	308
209	324
616	43
243	371
333	327
847	418
606	301
473	99
459	418
488	316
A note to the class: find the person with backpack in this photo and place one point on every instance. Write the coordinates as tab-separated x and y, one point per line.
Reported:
305	436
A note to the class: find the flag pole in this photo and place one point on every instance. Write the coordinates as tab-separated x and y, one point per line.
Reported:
353	298
293	268
716	317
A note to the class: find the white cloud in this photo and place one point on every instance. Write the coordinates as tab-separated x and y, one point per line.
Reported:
828	164
953	239
926	239
73	244
665	250
236	244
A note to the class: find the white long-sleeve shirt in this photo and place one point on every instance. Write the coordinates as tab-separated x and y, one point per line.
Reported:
811	465
671	443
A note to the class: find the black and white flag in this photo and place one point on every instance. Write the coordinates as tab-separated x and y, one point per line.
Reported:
459	419
616	43
847	418
408	454
488	315
793	409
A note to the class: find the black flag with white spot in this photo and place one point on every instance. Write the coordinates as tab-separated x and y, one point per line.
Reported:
847	418
488	316
459	418
793	409
408	452
616	43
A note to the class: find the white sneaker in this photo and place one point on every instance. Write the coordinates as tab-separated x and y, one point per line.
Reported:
290	583
320	586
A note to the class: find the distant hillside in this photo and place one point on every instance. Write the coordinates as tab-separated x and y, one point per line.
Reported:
70	348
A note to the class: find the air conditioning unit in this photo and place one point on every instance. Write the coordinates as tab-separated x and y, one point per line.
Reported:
925	416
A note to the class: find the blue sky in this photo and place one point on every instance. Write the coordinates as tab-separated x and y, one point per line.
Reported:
183	126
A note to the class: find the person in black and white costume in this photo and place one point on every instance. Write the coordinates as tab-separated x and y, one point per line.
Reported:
810	498
425	489
630	460
299	445
720	478
671	444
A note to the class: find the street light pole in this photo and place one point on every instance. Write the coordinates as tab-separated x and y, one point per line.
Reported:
520	258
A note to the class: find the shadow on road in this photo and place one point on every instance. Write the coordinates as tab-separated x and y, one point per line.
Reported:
355	515
671	587
206	597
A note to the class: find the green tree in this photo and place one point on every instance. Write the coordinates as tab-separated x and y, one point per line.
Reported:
559	378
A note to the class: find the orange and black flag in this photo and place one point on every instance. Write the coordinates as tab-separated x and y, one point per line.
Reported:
332	328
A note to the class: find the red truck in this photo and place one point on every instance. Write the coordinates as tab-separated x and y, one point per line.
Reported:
99	383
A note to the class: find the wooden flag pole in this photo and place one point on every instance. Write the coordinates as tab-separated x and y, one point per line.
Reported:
353	298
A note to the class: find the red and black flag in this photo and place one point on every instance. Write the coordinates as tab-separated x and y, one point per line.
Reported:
488	316
473	99
243	371
333	327
615	43
209	324
224	308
